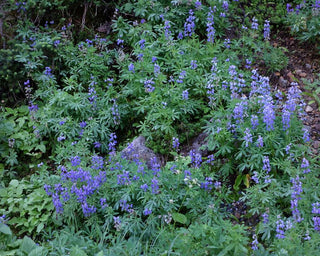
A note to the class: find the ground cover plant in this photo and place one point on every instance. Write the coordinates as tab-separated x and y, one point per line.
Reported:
81	79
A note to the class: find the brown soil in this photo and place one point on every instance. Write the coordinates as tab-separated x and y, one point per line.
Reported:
304	63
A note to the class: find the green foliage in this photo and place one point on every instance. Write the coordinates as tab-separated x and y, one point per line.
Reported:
139	77
312	89
27	206
20	144
304	23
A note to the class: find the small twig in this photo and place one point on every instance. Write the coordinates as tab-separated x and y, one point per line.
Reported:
83	22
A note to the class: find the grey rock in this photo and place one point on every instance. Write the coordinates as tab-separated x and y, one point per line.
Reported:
198	144
309	109
138	149
308	66
283	82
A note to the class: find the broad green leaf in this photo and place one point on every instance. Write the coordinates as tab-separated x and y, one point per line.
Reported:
14	183
27	245
178	217
76	251
5	229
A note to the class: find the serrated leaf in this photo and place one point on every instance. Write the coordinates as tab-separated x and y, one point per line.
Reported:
180	218
5	229
100	253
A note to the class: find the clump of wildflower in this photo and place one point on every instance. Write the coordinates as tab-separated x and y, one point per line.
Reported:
266	30
266	164
316	208
193	64
155	186
156	70
210	29
175	143
97	162
147	212
295	197
255	177
131	67
265	218
280	229
210	159
117	223
92	92
254	24
268	113
115	112
75	161
155	166
207	184
189	25
260	141
316	223
124	178
197	4
239	111
112	142
185	95
196	159
167	32
148	84
255	243
210	92
305	166
144	187
305	137
182	75
248	137
227	43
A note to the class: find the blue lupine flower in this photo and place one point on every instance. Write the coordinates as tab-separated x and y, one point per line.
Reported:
265	217
97	162
281	228
254	244
254	122
316	223
193	64
83	124
175	143
131	67
147	212
266	164
210	29
266	30
260	141
189	25
144	187
254	24
305	166
196	159
295	197
185	95
167	32
155	186
248	137
75	161
148	84
156	70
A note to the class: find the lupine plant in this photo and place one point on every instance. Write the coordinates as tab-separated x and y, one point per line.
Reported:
167	70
